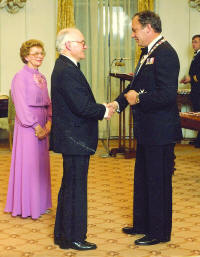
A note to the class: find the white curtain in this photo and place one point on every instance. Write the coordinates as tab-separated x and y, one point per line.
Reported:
106	25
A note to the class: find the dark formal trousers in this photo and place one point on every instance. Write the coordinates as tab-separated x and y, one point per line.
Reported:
71	215
195	99
152	212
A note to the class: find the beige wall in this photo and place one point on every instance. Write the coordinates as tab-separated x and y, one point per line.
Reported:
36	20
180	23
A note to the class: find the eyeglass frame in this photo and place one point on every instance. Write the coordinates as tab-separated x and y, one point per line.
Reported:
83	43
37	54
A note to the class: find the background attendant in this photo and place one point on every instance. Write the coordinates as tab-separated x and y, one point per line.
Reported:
152	95
194	79
29	189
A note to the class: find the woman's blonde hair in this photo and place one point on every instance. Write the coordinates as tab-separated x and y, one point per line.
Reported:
26	46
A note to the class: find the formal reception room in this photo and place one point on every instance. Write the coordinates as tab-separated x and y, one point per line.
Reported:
99	128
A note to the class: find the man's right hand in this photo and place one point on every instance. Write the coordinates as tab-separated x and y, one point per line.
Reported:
110	112
112	106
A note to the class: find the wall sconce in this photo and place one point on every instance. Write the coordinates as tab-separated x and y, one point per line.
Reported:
12	6
195	4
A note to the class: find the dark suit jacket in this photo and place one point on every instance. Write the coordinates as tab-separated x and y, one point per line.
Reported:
75	113
156	117
194	73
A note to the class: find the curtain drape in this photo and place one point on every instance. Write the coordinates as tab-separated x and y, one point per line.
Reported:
65	16
106	25
143	5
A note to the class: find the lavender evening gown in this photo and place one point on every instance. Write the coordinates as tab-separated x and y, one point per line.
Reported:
29	189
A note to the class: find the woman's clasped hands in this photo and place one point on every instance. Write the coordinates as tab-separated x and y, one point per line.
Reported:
40	132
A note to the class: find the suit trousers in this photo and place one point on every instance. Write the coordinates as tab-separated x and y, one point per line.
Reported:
71	215
152	212
195	99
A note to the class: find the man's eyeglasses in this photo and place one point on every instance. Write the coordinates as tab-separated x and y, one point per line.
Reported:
83	43
37	54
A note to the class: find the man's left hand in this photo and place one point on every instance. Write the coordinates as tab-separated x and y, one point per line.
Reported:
131	97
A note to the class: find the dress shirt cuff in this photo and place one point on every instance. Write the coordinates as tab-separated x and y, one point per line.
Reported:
118	110
106	112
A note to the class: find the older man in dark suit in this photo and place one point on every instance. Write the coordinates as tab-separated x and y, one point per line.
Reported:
74	134
194	80
152	95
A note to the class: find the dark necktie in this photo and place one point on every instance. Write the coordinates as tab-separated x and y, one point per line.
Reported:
78	65
144	51
195	53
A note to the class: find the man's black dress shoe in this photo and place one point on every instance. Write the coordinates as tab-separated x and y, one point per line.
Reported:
77	245
130	231
82	246
146	240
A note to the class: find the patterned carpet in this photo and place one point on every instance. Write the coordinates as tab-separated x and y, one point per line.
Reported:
110	209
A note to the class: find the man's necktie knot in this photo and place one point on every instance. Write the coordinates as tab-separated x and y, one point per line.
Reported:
78	65
144	50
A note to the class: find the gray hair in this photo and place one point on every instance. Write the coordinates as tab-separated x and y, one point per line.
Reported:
63	36
149	17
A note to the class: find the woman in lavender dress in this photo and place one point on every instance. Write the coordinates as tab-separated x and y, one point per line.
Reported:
29	189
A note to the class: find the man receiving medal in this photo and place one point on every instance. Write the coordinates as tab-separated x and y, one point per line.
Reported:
152	95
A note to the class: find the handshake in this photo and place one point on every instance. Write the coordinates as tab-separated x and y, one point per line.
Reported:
131	97
111	108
